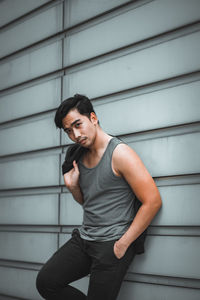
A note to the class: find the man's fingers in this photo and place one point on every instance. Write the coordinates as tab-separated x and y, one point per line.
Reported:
75	166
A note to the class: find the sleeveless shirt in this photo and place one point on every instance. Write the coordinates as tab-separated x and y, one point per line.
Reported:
108	199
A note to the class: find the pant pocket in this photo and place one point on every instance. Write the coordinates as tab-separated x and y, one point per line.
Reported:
105	252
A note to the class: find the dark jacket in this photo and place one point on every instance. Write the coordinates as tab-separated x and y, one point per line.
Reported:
74	152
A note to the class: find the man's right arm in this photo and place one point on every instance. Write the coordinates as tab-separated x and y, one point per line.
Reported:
71	180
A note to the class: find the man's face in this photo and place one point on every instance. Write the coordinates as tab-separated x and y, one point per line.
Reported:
80	128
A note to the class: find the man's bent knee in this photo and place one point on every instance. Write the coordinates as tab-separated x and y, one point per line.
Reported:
44	284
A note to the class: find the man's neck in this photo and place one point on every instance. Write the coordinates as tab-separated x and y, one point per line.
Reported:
101	141
96	151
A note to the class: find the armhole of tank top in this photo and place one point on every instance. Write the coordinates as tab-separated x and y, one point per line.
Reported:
111	163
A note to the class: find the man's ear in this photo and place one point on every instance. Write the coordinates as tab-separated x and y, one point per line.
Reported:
93	118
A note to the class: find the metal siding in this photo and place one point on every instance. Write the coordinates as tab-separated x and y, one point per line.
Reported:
130	27
35	134
67	207
156	292
29	210
26	246
165	256
141	60
173	155
185	203
159	109
78	10
31	65
32	30
31	100
13	281
137	68
11	10
30	172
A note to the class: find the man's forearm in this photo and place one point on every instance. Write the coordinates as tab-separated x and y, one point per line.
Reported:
143	218
77	194
141	221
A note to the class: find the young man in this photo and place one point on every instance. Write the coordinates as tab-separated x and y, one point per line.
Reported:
105	182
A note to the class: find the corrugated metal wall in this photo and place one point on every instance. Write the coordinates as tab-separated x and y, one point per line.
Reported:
139	62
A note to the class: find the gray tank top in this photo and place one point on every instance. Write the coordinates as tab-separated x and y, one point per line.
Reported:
108	199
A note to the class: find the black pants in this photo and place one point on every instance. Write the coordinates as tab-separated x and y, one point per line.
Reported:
78	258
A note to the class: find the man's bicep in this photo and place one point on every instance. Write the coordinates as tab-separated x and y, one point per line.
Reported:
129	165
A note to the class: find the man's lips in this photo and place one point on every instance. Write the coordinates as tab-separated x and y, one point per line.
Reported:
82	141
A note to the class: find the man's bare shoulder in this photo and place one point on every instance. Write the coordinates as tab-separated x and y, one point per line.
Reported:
124	159
122	151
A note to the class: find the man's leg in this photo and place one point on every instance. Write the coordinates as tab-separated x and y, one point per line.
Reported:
107	272
67	264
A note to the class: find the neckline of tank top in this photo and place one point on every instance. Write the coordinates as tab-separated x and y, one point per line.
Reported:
101	157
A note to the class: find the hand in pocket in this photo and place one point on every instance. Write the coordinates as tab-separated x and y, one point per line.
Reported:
119	249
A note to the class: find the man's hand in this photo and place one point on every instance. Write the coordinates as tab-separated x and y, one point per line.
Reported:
119	249
71	178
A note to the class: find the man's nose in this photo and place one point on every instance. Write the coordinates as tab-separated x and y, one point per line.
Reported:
76	133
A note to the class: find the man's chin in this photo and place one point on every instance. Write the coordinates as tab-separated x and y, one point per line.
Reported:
83	143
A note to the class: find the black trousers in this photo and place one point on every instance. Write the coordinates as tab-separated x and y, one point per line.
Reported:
78	258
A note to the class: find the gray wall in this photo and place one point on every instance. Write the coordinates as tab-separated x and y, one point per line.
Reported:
139	63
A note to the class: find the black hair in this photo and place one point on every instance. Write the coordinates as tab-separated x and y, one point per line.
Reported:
79	102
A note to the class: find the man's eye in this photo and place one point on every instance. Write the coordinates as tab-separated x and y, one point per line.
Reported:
77	125
68	131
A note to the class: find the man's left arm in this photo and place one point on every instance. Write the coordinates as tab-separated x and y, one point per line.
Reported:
126	163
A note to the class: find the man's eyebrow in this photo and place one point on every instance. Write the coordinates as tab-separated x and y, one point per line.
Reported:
65	129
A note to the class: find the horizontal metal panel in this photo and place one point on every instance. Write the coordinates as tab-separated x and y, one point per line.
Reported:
163	280
175	231
79	11
175	155
38	133
180	207
19	283
29	210
147	291
169	256
178	180
31	30
35	99
30	172
31	65
167	107
46	228
10	10
71	213
165	60
27	246
31	191
170	14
